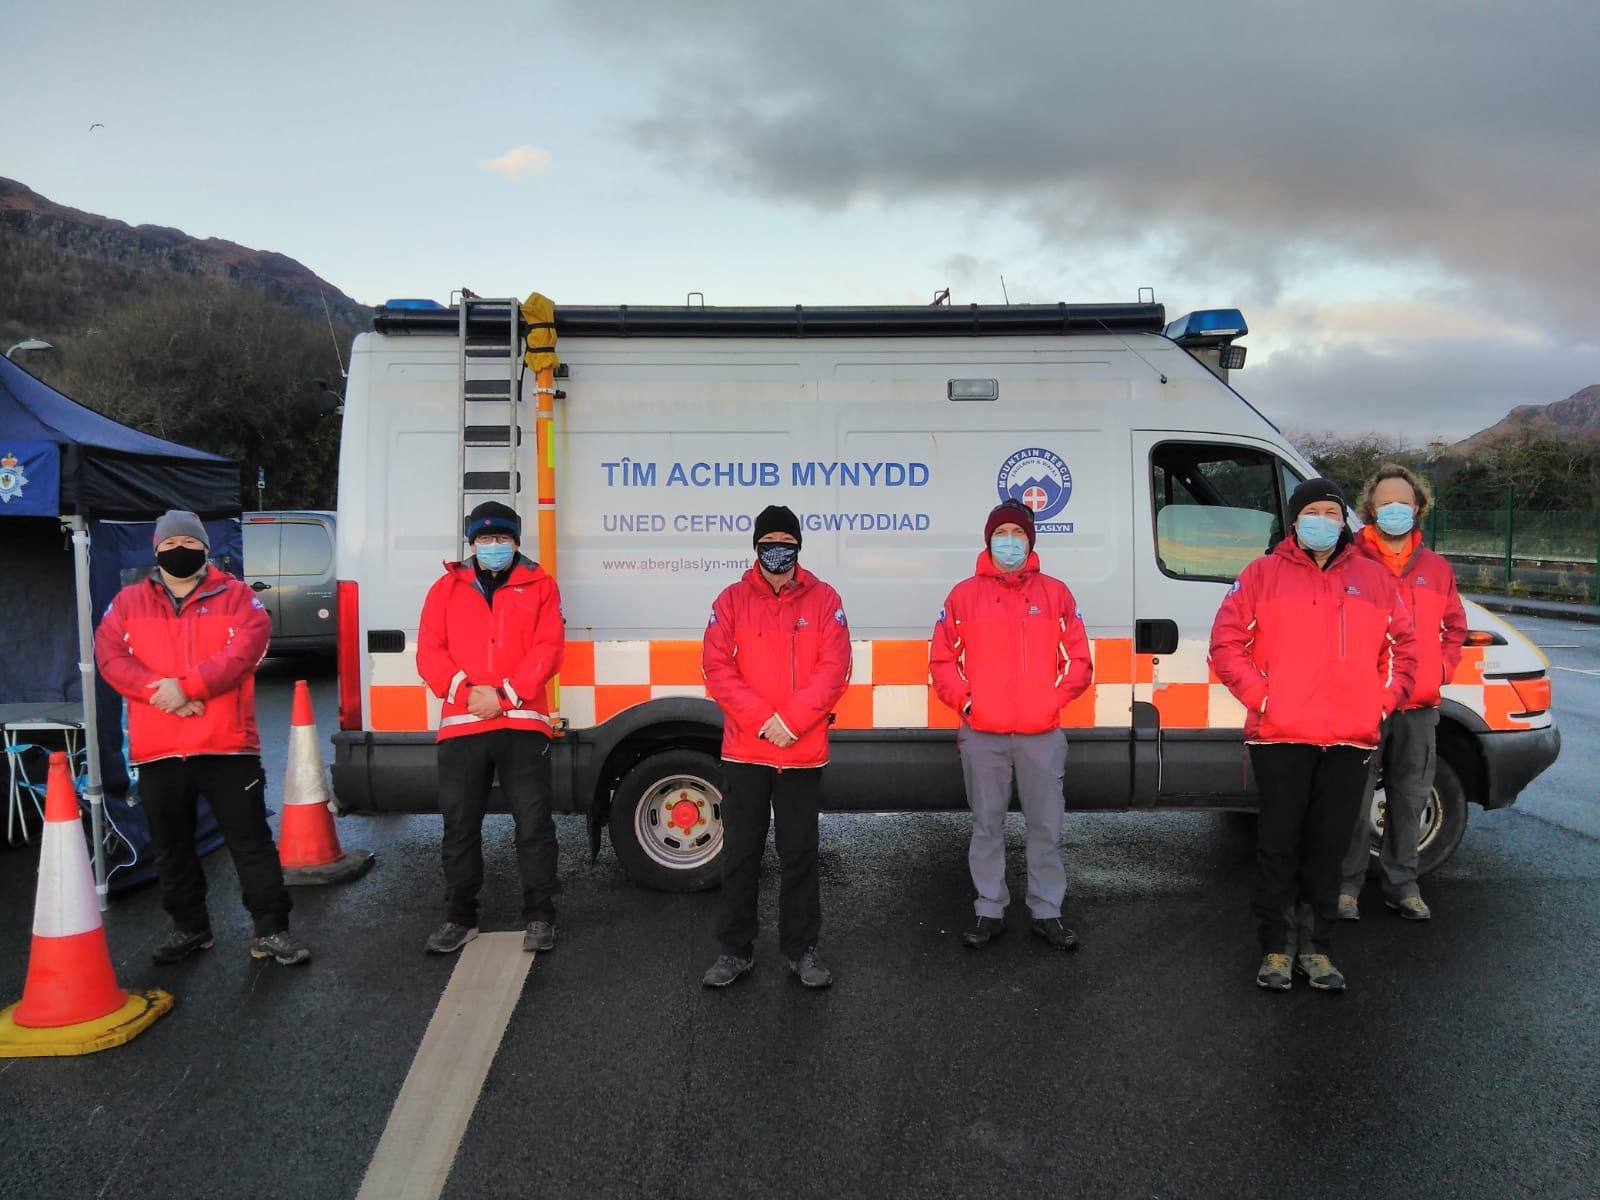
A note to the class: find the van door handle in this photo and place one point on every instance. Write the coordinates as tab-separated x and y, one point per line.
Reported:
1155	637
258	586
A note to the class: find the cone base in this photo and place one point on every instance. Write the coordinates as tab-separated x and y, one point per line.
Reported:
139	1013
352	864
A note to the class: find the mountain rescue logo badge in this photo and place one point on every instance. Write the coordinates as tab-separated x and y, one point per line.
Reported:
12	480
1040	480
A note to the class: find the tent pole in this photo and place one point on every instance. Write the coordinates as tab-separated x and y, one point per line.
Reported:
91	726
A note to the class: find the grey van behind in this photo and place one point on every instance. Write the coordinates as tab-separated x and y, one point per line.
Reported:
288	561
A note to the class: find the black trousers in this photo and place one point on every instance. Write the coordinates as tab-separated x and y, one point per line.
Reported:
754	794
467	769
1310	799
234	785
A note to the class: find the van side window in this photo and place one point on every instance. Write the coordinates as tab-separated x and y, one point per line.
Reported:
1216	507
307	549
260	547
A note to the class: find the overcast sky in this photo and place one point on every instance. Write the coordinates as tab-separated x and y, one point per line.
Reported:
1400	197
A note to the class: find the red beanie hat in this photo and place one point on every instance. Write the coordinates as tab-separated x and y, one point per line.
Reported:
1009	512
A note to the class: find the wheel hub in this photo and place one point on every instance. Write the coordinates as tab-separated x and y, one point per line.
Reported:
683	813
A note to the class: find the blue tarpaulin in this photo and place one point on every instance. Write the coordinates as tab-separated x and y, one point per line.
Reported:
59	459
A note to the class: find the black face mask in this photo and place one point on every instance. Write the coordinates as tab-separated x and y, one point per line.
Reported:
182	562
777	558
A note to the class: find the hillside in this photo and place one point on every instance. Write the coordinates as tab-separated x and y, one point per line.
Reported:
198	340
29	220
1577	418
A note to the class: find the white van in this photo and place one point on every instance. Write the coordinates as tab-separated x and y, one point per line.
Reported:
892	432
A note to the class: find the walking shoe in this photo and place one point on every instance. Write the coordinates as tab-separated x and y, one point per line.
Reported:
726	970
280	946
449	938
179	944
809	970
1411	908
541	936
1053	931
1349	908
1274	973
1324	976
985	931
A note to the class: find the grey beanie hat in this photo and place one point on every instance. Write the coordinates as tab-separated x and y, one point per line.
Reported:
177	523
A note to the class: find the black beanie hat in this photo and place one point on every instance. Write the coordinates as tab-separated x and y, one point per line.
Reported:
493	517
1310	492
776	518
1009	512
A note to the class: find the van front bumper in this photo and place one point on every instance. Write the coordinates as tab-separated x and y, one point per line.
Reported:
1512	760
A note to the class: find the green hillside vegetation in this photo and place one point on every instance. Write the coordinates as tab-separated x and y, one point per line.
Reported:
209	363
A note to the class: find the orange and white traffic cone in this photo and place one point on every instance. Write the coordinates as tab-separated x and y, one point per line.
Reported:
308	847
71	1003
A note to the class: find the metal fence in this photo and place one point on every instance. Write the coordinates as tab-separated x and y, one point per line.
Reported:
1512	552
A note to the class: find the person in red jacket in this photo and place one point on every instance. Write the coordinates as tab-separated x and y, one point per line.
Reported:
1008	653
776	657
1393	505
182	647
1314	640
490	640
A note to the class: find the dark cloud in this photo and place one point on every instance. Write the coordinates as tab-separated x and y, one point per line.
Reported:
1417	391
1256	136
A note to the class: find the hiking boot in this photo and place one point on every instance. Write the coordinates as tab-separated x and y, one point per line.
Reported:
985	931
1053	931
280	946
180	944
726	970
1349	908
449	938
1274	973
1323	975
541	936
809	970
1411	908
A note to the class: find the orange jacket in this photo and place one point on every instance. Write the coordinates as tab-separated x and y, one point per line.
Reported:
1428	586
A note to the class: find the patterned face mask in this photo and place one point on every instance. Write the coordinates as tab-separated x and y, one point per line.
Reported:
777	558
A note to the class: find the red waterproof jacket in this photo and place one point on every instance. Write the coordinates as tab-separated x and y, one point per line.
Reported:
1013	646
785	653
1316	656
211	642
1428	586
515	646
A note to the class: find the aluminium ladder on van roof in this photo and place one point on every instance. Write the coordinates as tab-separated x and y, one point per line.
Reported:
490	372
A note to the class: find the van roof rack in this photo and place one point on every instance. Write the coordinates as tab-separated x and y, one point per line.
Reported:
622	320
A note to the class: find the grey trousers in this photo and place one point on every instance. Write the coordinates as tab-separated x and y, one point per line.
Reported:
1038	761
1409	756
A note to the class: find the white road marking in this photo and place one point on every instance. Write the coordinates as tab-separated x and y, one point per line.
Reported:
430	1115
1576	670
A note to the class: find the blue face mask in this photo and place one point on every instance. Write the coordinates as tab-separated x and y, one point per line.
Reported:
1396	519
1317	533
1008	553
495	556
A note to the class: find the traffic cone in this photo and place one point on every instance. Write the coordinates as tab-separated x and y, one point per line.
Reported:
308	847
71	1003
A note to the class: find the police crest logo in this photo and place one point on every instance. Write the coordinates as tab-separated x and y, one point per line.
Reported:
12	480
1040	480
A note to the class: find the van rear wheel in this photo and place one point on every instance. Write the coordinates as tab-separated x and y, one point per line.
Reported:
666	821
1443	824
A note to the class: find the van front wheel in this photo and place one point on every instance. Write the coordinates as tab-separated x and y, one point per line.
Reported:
1443	824
666	821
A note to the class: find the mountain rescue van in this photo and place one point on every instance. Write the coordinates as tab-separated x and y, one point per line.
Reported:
639	461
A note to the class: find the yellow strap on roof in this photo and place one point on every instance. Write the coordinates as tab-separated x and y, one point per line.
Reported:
540	314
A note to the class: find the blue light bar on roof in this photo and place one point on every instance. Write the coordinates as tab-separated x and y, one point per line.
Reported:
417	305
1208	327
